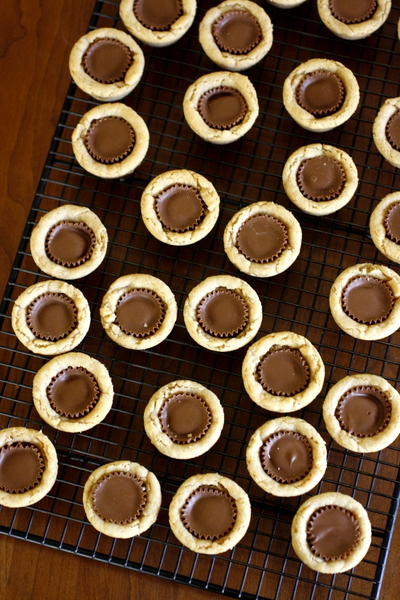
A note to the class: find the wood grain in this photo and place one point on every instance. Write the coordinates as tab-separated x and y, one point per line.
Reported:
36	37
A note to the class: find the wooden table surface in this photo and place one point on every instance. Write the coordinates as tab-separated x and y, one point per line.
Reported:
35	40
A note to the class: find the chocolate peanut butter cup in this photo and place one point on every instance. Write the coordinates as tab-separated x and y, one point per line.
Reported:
110	139
156	15
393	130
262	238
236	35
51	316
386	128
392	223
321	93
73	392
70	244
237	32
222	107
321	178
332	533
364	301
140	312
122	499
286	456
209	513
107	60
367	300
185	418
180	208
223	313
283	372
363	411
356	11
21	467
119	497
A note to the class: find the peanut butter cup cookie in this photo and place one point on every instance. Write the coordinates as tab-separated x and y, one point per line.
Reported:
138	311
183	419
283	372
321	94
354	20
286	3
28	466
222	313
209	513
73	392
365	301
386	131
331	532
320	179
263	239
69	242
221	107
122	499
51	317
236	34
286	457
157	23
385	226
106	63
110	140
180	207
362	412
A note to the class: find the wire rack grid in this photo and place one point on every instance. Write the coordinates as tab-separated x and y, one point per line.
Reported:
263	565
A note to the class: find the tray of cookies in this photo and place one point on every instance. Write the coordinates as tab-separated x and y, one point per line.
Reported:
199	343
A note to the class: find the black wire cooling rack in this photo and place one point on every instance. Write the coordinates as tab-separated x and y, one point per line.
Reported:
263	564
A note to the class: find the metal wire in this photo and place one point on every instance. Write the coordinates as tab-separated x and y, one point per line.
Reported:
263	565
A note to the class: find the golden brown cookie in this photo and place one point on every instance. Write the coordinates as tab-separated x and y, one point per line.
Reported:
286	3
51	317
263	239
183	419
138	311
69	242
236	34
222	313
352	20
157	23
73	392
122	499
320	179
321	94
209	513
283	372
362	412
180	207
110	140
106	63
331	532
386	131
365	301
221	107
384	226
286	456
28	466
